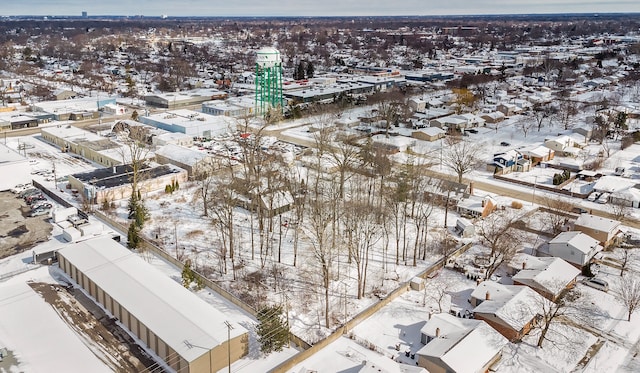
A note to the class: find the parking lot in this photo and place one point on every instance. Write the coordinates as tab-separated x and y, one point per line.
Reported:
19	231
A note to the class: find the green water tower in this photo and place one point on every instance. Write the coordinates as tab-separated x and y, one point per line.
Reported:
268	80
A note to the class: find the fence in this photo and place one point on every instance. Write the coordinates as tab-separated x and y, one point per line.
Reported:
542	187
146	245
51	194
366	313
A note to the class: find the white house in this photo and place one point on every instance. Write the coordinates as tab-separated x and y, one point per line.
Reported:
459	345
576	248
562	144
547	276
510	309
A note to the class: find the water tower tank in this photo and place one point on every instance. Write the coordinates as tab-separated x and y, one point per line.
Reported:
268	57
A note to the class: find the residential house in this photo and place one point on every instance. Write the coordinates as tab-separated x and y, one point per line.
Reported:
507	162
449	122
602	229
472	120
508	109
493	117
64	94
475	206
538	154
576	248
417	104
512	310
391	144
624	191
564	145
547	276
428	134
460	345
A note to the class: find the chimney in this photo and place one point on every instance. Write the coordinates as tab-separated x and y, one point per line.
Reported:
471	188
487	296
114	169
484	202
430	314
437	332
524	265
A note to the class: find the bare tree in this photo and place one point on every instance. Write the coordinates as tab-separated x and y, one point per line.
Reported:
524	124
626	256
437	290
629	290
345	155
499	233
320	228
541	112
551	313
461	156
556	217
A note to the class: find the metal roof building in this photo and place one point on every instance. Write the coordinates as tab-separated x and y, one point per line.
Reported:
179	327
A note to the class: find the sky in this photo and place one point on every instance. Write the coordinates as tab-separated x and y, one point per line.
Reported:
312	7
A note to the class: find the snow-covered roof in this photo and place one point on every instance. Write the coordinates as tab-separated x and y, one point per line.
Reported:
613	184
537	151
547	274
431	131
514	305
597	223
465	345
181	154
578	240
186	323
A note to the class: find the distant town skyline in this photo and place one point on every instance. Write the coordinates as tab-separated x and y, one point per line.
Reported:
313	8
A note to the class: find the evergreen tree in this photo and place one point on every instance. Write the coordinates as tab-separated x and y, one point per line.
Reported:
135	115
133	236
189	276
272	329
299	74
310	70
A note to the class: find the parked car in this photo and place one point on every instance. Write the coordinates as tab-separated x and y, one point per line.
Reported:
596	283
28	192
41	204
20	188
504	143
593	197
39	212
35	198
604	198
472	130
578	210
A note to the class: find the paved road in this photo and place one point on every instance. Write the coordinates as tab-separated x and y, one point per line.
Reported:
503	189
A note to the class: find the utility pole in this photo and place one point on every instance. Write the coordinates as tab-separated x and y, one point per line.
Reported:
229	327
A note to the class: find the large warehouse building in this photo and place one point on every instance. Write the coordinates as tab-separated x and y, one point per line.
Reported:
182	329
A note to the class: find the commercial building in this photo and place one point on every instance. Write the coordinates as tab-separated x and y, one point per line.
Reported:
192	123
187	333
174	100
115	182
87	144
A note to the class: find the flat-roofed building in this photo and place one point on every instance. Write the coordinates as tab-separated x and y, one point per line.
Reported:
192	123
172	100
189	334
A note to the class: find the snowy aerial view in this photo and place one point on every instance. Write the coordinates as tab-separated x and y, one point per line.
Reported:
321	191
